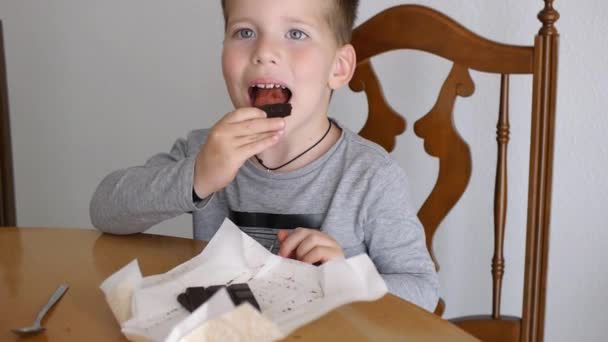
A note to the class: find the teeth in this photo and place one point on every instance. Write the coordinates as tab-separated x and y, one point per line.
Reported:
270	86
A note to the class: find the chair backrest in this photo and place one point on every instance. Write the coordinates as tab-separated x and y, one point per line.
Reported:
421	28
7	188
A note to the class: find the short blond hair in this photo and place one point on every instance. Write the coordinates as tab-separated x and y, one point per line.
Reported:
341	18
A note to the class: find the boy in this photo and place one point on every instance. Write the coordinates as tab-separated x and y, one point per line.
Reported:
303	182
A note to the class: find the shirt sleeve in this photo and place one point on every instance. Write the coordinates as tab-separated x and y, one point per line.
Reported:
395	240
132	200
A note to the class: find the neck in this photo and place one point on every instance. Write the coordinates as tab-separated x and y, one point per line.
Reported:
298	142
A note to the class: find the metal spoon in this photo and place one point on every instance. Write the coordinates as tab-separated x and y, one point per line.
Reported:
36	327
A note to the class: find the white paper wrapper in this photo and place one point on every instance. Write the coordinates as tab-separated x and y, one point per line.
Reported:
119	288
290	293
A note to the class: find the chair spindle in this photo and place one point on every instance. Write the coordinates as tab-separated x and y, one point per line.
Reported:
500	196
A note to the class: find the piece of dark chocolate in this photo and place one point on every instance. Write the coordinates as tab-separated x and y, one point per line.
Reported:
211	290
195	291
241	293
277	110
182	298
194	297
199	295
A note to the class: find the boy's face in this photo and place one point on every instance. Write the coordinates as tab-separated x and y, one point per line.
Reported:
280	42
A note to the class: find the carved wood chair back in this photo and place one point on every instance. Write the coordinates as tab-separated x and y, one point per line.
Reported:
425	29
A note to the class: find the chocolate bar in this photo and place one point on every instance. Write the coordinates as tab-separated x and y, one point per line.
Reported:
194	297
197	296
184	301
241	293
277	110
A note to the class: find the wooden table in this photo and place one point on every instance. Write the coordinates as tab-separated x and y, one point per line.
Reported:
33	261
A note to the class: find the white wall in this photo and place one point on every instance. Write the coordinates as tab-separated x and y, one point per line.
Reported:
99	85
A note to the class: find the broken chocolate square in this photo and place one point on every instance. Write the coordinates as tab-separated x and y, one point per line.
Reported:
277	110
194	297
241	293
182	298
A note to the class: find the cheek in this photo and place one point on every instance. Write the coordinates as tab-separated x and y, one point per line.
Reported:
230	63
312	66
231	72
225	67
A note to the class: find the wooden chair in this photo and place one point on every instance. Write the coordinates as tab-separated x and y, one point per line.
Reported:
422	28
7	188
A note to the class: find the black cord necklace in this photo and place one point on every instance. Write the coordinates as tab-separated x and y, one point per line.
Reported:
296	157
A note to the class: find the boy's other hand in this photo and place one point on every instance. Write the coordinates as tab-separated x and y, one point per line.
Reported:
235	138
308	245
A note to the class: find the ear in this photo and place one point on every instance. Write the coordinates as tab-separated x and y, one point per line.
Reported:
344	67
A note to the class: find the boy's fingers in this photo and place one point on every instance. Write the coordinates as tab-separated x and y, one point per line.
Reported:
311	242
257	126
282	235
248	150
319	254
291	243
242	114
241	141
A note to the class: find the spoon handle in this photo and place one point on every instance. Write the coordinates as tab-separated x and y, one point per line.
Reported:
54	298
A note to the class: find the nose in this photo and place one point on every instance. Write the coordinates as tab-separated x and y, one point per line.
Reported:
266	52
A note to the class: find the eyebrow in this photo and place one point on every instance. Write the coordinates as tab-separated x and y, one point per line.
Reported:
236	21
295	20
289	19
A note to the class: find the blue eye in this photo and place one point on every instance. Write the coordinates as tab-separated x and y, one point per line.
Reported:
296	34
244	33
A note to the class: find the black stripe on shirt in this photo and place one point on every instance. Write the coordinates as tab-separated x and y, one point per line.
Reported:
276	221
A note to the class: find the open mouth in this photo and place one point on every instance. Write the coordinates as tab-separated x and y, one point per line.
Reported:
269	94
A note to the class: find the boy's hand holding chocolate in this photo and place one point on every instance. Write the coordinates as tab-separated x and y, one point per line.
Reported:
308	245
235	138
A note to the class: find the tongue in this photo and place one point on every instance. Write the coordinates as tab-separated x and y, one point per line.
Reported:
270	96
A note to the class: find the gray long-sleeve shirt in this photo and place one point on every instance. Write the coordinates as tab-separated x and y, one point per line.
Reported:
355	192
